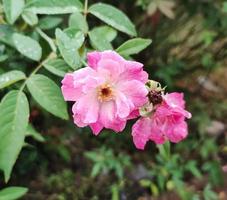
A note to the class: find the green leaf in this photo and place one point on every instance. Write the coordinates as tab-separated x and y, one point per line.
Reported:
49	22
57	67
11	77
12	193
30	18
76	36
133	46
14	113
3	58
47	38
68	44
6	33
106	32
96	169
78	21
33	133
114	17
48	95
13	9
96	42
52	7
27	46
224	7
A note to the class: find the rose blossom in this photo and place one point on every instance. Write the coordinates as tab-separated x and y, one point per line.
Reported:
106	93
166	123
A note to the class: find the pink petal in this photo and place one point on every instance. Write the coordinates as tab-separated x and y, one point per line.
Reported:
134	71
175	99
123	106
108	117
110	69
117	126
78	121
157	135
96	128
141	131
177	132
87	108
135	91
134	114
70	93
93	59
107	113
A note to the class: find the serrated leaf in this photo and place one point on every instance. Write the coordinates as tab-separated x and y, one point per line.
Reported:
12	193
6	33
30	18
97	43
133	46
78	21
27	46
11	77
49	22
68	44
54	6
33	133
13	9
114	17
48	95
57	67
14	112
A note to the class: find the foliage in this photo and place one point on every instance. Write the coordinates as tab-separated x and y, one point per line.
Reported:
105	161
26	33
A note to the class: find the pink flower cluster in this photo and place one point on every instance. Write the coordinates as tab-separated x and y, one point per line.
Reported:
112	90
166	123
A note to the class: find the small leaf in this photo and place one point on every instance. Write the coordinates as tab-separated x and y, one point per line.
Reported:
13	9
96	169
68	46
47	38
14	112
48	95
11	77
114	17
6	33
49	22
133	46
96	42
33	133
27	46
107	32
78	21
152	8
166	7
57	67
12	193
54	6
30	18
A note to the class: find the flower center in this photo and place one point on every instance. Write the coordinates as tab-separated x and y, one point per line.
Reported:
105	93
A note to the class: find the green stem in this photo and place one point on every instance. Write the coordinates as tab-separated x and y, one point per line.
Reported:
51	55
164	150
85	8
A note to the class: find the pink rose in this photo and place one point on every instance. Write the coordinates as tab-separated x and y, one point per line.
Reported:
166	123
107	93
